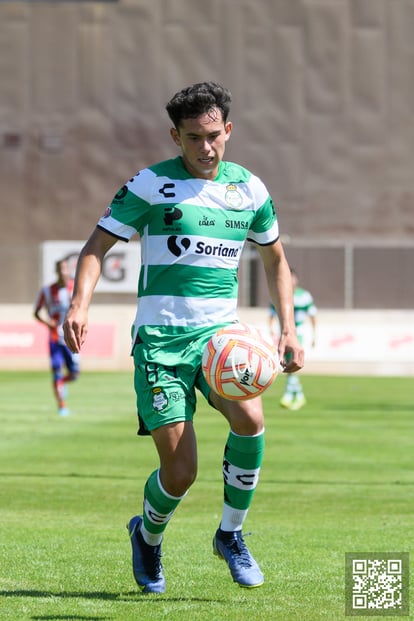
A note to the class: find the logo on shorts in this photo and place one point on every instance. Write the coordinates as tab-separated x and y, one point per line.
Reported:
160	400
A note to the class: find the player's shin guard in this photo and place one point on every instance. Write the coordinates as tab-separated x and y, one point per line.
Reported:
159	507
243	457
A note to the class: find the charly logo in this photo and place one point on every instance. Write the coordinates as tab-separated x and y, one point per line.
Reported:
171	214
178	248
165	190
233	196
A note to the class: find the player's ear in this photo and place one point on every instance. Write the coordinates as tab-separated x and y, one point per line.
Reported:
175	136
227	128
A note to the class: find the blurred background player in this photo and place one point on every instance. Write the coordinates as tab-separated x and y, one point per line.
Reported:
50	309
305	310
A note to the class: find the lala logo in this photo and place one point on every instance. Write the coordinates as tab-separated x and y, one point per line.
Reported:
206	221
233	196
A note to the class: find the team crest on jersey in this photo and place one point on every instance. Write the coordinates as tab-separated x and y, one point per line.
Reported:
233	196
160	399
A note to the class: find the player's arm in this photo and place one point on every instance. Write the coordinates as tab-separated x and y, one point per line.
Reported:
40	311
313	324
280	289
273	324
88	270
47	321
38	314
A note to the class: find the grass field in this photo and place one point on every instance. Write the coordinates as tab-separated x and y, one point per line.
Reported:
337	477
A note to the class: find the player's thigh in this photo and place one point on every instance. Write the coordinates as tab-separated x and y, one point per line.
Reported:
56	356
71	360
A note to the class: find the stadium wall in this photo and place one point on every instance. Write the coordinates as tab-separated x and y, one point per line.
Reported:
348	342
323	98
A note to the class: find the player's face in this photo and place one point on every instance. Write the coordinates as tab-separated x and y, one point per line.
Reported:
202	141
63	271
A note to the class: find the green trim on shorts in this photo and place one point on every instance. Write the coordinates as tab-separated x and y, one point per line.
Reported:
165	379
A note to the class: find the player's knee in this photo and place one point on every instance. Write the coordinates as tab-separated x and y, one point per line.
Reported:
184	481
246	427
179	481
57	375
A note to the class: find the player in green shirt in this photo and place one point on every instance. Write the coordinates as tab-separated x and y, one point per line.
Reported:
194	214
304	310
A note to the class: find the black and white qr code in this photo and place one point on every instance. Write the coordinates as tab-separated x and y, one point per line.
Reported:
377	584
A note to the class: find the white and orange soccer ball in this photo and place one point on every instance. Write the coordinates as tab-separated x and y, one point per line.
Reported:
239	363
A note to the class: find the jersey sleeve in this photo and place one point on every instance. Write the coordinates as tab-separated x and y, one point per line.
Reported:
126	214
264	229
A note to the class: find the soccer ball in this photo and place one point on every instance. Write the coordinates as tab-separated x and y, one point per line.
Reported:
239	363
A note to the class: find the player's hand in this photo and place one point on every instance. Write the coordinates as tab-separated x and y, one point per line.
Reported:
291	354
75	329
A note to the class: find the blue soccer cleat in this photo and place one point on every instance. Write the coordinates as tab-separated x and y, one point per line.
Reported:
146	560
243	568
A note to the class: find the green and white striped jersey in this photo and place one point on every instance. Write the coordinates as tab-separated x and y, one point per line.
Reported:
304	305
192	235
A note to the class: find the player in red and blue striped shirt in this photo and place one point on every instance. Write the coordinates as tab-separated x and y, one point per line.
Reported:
50	309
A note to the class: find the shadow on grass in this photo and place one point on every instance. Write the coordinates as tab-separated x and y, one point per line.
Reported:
67	475
41	475
68	618
102	595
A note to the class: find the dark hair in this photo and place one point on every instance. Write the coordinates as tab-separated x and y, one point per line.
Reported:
198	99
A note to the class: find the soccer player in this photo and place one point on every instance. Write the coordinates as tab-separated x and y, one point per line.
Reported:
194	214
50	309
304	310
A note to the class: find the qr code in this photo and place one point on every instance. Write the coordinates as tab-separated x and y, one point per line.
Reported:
377	584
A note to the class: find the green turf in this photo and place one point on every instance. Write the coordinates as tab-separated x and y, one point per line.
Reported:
337	477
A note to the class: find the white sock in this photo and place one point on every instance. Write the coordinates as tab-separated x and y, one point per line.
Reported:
232	519
150	538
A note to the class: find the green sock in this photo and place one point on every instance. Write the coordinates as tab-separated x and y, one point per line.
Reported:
243	457
159	506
